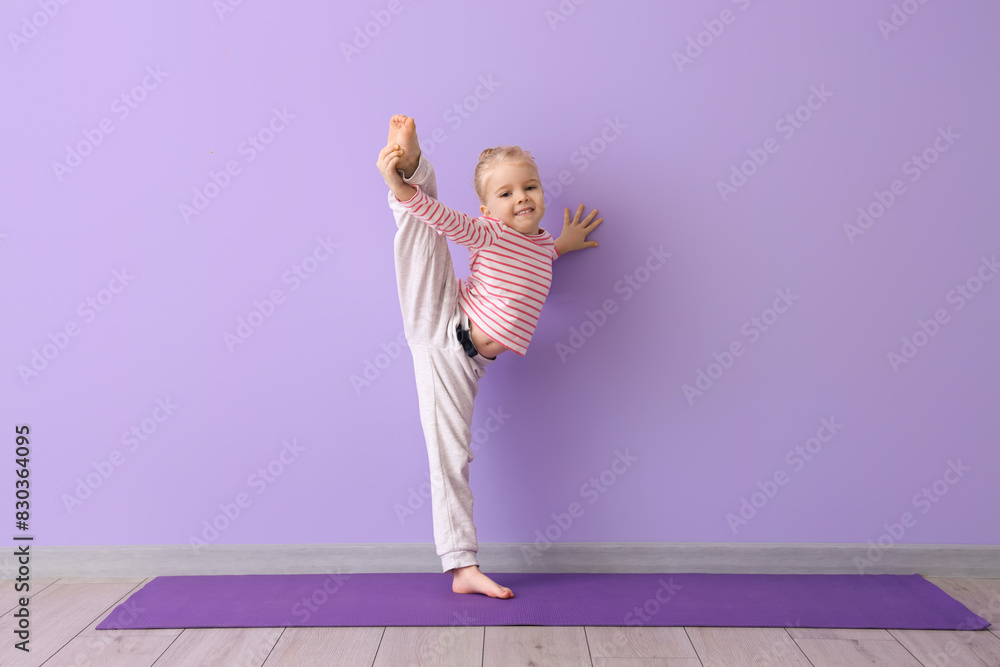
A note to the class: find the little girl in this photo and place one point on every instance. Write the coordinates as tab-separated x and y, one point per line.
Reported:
456	328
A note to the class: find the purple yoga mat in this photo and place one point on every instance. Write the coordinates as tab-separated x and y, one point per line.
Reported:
888	601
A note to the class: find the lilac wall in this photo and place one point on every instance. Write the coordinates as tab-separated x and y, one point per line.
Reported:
158	97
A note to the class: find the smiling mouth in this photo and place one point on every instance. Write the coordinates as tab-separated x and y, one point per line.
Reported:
524	212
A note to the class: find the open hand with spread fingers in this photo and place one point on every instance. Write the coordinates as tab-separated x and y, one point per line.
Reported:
574	233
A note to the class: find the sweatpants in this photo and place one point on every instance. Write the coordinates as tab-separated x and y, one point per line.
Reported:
447	377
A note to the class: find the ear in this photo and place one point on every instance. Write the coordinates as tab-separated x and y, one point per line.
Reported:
484	210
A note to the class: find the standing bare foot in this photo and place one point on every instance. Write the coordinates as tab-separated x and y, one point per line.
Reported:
470	580
403	131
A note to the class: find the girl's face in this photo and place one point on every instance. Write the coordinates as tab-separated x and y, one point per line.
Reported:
511	188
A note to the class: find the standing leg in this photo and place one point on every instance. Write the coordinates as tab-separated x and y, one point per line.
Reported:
446	390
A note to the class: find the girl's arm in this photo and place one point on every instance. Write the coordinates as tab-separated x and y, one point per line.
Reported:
404	192
473	233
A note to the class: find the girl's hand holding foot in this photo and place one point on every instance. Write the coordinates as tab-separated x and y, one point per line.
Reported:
388	159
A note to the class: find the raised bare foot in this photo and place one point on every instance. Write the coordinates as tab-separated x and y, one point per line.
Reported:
470	580
403	131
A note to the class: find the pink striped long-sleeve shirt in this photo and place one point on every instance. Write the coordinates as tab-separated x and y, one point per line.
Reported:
510	272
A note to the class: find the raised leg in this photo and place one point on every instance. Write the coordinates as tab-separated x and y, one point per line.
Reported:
447	383
425	274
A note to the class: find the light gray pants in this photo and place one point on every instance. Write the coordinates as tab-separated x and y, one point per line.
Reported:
447	378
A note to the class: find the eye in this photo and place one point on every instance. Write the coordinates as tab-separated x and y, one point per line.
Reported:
531	187
505	194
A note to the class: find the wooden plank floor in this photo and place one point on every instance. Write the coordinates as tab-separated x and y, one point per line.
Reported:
64	613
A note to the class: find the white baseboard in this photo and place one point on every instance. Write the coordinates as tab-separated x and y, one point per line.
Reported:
940	560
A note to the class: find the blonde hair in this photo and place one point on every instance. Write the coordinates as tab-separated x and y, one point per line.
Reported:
490	158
